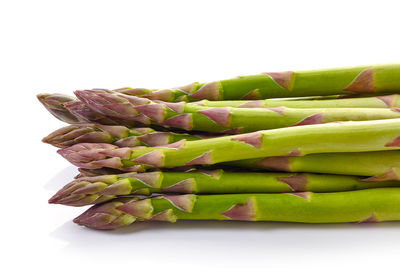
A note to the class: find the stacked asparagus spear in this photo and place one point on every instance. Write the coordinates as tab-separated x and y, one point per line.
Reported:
313	146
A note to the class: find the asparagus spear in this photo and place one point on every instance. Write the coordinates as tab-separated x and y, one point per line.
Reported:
92	190
378	166
381	165
370	205
360	79
222	119
386	101
324	138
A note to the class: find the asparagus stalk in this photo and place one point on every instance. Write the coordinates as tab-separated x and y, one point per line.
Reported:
117	135
380	166
369	205
386	101
365	136
92	190
222	119
360	79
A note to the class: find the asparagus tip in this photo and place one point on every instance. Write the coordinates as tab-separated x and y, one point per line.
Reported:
105	216
42	96
54	104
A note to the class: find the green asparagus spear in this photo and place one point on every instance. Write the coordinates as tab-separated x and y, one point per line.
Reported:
222	119
360	79
370	205
364	136
92	190
379	166
382	165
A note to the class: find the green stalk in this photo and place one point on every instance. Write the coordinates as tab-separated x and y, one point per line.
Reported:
381	165
92	190
364	136
370	205
360	79
222	119
387	101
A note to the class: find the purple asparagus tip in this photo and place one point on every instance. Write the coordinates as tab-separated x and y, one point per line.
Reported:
54	104
111	103
96	155
90	190
85	133
106	216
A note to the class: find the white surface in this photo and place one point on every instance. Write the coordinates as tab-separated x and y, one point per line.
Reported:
58	46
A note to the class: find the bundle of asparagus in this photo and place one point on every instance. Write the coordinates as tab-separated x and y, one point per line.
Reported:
227	150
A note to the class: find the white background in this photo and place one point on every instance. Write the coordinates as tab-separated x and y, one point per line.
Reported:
59	46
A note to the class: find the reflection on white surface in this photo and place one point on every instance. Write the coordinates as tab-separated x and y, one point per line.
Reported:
213	242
